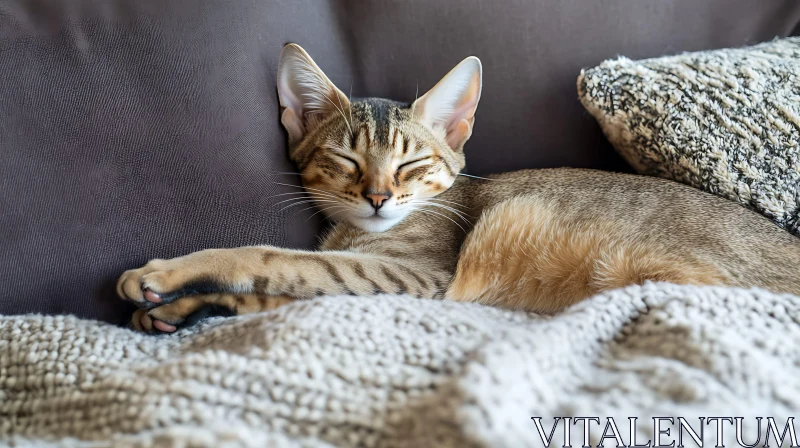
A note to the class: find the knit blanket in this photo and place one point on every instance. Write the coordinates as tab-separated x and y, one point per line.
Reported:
396	371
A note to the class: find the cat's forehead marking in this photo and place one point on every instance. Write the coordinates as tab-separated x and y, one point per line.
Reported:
382	115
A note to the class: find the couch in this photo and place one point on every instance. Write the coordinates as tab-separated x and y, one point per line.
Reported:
134	129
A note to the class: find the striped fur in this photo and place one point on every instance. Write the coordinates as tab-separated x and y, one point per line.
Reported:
538	240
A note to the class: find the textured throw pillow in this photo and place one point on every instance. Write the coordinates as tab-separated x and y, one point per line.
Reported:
725	121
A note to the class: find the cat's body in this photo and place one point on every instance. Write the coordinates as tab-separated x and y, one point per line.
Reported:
544	239
537	240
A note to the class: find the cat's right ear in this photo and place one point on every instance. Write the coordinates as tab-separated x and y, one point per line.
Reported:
449	107
306	94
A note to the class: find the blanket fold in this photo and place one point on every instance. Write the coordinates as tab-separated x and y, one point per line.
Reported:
398	371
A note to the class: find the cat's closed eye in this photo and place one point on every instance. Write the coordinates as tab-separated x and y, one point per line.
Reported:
349	162
415	163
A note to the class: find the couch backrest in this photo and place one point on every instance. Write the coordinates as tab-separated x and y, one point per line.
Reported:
133	129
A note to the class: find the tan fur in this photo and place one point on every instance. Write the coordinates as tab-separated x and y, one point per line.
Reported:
522	255
537	240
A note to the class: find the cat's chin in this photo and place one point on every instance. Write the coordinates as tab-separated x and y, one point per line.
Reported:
375	223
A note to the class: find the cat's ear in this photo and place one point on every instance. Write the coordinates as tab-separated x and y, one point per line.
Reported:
450	105
306	94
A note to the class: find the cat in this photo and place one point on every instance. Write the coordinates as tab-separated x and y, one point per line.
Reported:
407	223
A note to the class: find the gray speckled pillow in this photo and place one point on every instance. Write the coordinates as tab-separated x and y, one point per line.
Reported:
725	121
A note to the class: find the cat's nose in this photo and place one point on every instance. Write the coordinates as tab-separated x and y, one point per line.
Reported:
377	199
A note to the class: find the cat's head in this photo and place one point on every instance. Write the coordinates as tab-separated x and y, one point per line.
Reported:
371	161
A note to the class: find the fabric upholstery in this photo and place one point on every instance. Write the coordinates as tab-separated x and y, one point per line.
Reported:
133	129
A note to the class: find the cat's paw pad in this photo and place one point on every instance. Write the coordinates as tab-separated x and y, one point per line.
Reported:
183	312
144	322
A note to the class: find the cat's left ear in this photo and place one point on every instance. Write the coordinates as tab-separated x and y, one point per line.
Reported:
305	93
450	105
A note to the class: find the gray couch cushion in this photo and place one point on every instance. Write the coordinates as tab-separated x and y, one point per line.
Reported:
133	129
139	129
532	51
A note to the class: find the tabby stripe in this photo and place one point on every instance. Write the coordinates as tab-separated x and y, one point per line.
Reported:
394	253
439	294
267	256
359	270
367	137
417	173
391	277
446	165
331	269
406	144
261	284
449	169
308	158
411	272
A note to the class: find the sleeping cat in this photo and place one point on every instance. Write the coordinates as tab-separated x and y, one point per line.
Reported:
536	240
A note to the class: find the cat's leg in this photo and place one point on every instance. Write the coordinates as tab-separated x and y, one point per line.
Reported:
187	311
270	271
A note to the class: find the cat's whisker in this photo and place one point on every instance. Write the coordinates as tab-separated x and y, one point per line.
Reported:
445	207
315	194
478	177
307	188
330	217
426	211
287	194
341	111
288	185
300	203
324	196
305	199
302	198
332	207
306	195
442	215
446	201
416	95
350	107
458	213
285	172
321	209
291	192
313	207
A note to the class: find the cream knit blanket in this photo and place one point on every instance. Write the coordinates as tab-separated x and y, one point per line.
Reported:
399	371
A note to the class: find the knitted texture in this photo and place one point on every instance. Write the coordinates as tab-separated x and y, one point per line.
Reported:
401	372
726	121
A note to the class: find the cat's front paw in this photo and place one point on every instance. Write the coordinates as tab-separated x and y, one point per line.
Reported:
181	313
187	311
158	282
